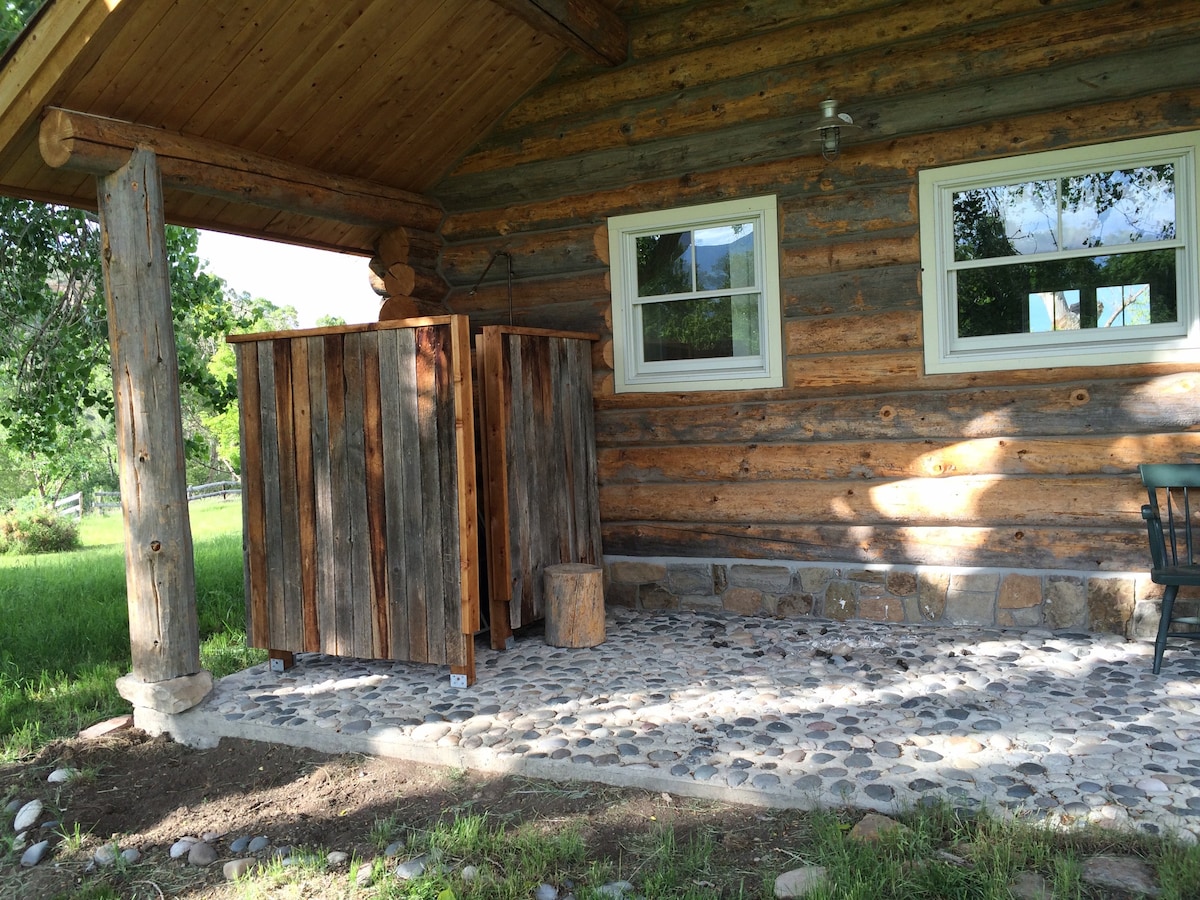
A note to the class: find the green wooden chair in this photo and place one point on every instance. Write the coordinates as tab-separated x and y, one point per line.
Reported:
1173	527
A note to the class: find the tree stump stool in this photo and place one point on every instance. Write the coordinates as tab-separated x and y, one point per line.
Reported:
574	603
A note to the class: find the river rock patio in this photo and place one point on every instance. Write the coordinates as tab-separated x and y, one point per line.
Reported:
1065	728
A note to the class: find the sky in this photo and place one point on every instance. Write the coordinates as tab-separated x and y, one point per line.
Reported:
315	282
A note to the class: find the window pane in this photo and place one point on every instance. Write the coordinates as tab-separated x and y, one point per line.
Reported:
1067	295
1119	207
664	264
1005	220
725	257
708	328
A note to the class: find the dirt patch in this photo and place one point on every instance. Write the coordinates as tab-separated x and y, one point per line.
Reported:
148	793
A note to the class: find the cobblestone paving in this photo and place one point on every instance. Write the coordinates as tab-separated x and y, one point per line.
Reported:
1066	728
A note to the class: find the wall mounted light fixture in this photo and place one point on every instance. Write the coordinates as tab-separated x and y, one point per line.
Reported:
829	131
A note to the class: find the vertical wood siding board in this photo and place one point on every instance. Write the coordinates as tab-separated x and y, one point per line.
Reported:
468	486
254	547
376	508
588	459
289	500
395	490
559	438
544	508
340	565
411	409
306	519
272	518
564	402
361	590
517	475
450	480
323	529
430	349
491	463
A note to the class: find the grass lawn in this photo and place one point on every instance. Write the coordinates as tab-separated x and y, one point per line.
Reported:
66	625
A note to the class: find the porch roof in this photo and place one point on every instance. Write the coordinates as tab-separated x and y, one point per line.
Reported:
393	92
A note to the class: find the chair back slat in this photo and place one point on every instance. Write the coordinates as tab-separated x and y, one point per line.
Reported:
1173	483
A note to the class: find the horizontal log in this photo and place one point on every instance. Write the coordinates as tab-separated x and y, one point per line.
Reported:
1166	403
1091	550
853	333
97	145
582	316
873	460
866	208
867	290
532	293
975	500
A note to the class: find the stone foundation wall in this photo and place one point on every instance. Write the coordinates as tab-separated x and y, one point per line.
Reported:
1125	604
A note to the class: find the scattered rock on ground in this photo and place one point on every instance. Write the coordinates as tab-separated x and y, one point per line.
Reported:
236	868
1122	873
35	854
1030	886
872	826
201	854
800	882
28	815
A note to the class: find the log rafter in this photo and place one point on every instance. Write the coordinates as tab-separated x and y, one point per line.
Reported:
586	26
97	145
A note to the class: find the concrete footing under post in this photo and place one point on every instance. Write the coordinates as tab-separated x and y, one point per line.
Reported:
167	697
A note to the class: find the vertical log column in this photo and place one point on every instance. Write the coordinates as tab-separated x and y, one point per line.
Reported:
160	571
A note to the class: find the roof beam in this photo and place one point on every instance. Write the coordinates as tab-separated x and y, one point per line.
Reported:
86	143
586	26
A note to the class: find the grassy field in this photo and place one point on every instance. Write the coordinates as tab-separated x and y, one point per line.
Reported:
66	626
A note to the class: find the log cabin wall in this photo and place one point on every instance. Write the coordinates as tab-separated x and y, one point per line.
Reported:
864	488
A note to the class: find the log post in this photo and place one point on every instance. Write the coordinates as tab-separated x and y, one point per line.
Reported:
574	598
160	572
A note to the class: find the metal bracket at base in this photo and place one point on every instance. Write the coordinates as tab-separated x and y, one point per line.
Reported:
510	642
276	664
458	681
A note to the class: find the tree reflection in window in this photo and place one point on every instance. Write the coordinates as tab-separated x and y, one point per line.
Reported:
1067	253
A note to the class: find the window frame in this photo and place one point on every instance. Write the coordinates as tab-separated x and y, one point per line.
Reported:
632	374
947	353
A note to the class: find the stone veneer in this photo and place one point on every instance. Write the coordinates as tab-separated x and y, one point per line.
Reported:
1126	604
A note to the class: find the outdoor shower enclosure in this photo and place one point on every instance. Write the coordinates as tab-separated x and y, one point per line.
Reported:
363	491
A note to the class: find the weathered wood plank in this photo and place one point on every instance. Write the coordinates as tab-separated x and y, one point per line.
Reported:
359	590
323	502
495	402
872	460
429	352
375	496
1096	550
254	544
272	512
398	489
523	527
467	493
290	626
853	333
341	634
305	493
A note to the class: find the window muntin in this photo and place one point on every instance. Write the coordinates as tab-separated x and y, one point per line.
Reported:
1070	257
696	298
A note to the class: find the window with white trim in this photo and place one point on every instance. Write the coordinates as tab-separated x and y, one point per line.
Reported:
1086	256
695	298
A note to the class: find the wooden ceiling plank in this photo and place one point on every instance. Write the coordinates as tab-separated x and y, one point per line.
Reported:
113	80
471	102
417	88
241	99
585	26
347	74
372	87
93	144
199	62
